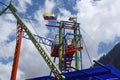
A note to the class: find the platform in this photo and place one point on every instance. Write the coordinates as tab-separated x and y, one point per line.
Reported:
70	50
43	78
97	73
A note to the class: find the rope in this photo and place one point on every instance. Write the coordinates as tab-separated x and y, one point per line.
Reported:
87	53
88	35
3	3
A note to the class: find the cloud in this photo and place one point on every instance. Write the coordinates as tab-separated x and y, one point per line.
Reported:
38	15
40	23
99	23
29	54
7	30
7	45
64	14
5	71
49	6
22	5
31	61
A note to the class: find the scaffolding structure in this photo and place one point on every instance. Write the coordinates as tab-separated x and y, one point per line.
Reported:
67	47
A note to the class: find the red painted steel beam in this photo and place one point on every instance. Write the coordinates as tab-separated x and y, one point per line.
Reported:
17	51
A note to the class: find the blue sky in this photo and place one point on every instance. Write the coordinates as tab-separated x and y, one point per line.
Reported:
99	26
7	60
106	47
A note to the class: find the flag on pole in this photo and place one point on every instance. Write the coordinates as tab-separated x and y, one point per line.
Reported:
74	19
49	16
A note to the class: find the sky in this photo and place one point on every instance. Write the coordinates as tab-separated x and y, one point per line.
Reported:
99	23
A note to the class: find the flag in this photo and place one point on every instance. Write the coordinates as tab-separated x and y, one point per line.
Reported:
74	19
49	16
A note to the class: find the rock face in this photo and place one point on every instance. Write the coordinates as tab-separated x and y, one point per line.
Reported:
112	58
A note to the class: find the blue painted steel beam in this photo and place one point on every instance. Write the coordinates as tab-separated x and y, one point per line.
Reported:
79	35
43	78
97	73
41	40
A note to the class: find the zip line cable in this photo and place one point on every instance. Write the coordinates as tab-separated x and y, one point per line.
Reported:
87	52
88	35
86	46
6	6
3	4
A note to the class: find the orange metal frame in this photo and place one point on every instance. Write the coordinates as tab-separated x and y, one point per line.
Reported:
17	51
70	50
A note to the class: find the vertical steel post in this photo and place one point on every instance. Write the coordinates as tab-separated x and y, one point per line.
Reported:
80	42
60	45
77	54
64	48
17	51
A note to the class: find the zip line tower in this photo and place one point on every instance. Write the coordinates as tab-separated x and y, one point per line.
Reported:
66	47
68	44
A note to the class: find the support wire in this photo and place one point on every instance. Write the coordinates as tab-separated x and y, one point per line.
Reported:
87	52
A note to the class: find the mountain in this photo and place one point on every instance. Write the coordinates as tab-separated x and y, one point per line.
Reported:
112	58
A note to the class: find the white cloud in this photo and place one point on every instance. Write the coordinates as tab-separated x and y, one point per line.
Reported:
49	6
38	15
99	22
41	29
7	29
5	70
22	5
31	61
64	14
29	54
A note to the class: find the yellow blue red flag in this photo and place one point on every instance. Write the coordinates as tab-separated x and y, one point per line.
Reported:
49	16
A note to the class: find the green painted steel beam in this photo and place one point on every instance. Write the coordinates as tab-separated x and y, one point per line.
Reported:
60	45
4	10
77	61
